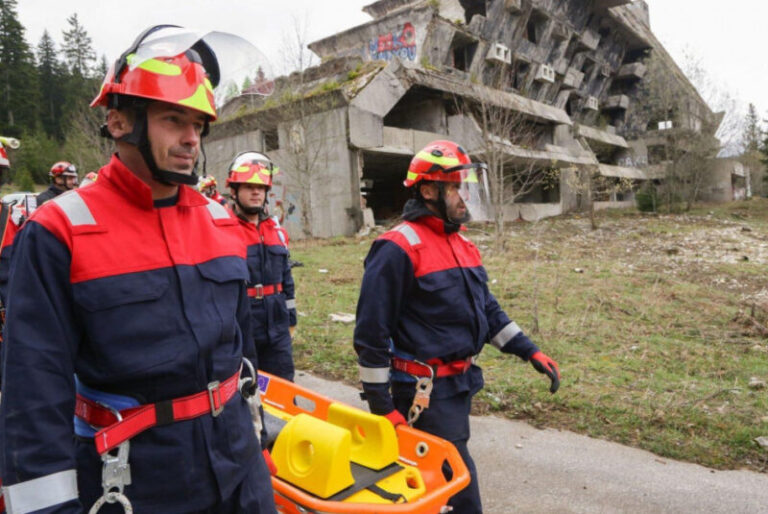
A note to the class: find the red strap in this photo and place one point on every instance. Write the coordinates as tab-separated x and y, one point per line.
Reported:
137	419
260	291
439	368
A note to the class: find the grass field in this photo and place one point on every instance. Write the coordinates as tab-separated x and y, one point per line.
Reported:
658	323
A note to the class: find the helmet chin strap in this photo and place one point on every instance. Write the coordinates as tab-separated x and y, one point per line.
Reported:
442	209
138	137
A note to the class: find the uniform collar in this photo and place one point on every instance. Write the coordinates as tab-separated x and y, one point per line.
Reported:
415	210
138	192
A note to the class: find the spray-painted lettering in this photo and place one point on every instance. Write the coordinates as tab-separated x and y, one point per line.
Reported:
400	44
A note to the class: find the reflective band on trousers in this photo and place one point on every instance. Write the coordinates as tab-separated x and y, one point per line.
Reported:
374	375
75	209
506	333
41	493
291	304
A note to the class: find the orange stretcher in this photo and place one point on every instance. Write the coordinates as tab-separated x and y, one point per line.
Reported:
334	458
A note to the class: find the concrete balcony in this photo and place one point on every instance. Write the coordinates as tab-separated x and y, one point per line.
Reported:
632	71
616	102
529	52
589	39
573	79
560	31
607	4
561	66
513	6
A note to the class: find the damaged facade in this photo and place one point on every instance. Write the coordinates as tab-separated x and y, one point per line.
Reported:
345	131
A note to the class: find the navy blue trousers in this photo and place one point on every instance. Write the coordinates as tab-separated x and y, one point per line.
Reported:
448	418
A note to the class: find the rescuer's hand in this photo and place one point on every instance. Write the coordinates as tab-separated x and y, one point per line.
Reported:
396	418
292	330
547	366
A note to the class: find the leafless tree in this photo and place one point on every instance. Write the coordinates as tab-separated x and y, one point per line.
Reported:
507	143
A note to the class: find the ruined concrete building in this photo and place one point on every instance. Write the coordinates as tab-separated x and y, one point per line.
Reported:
345	131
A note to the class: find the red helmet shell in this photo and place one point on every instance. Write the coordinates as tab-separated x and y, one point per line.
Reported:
251	168
442	161
179	80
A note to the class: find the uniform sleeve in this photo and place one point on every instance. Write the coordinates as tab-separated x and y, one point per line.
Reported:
387	279
6	250
244	321
505	334
36	414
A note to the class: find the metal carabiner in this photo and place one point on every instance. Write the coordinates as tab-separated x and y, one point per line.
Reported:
248	385
115	473
423	392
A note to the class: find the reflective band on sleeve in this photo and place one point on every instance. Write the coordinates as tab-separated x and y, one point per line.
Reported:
218	211
75	209
41	493
291	304
374	375
409	233
506	333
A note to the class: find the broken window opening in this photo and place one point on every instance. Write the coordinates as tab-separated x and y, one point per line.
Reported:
271	140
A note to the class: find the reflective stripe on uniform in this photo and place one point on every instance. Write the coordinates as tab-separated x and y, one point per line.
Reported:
505	334
374	375
410	235
218	211
41	493
291	304
75	209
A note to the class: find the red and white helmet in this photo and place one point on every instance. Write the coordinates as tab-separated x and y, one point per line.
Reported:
252	168
63	169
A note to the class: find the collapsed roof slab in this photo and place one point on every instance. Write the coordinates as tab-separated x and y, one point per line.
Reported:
609	170
601	136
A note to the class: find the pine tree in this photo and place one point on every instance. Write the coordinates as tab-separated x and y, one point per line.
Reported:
78	49
18	76
752	131
52	78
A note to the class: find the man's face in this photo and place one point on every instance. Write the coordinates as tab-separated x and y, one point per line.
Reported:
251	195
65	182
455	207
174	135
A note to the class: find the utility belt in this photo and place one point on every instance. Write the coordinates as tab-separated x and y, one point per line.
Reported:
119	426
433	368
259	291
427	372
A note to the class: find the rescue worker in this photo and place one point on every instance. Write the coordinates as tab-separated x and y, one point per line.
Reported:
207	186
270	282
425	311
63	176
128	302
89	178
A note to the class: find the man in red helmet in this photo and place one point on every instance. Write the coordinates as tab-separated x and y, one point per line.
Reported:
208	186
128	318
270	284
425	310
63	176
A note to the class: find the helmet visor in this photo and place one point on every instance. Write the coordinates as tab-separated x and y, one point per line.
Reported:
239	61
475	193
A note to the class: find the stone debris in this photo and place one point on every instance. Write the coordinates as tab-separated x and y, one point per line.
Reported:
342	317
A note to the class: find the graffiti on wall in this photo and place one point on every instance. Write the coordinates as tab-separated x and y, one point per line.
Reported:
400	44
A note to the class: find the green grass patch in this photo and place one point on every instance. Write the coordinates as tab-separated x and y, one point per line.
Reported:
653	346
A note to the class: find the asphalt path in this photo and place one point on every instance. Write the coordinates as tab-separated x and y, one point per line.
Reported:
524	469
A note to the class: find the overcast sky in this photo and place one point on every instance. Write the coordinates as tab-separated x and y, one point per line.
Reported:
729	38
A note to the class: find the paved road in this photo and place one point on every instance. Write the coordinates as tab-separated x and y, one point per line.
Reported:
523	469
